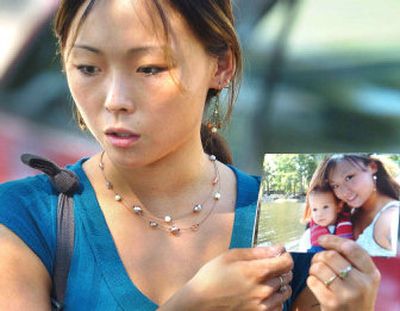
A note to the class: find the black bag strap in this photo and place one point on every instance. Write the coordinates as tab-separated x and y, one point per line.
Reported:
66	183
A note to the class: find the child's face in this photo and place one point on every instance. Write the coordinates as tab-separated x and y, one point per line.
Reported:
324	208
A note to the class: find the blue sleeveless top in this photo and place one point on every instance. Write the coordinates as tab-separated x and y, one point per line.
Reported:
97	279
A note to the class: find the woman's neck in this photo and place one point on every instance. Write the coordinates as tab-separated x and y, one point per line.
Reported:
174	182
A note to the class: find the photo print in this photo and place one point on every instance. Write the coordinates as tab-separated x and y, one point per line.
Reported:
351	195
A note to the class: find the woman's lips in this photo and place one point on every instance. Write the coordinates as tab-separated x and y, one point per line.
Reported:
121	139
351	200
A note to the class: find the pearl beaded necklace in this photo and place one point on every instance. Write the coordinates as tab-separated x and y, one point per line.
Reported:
167	223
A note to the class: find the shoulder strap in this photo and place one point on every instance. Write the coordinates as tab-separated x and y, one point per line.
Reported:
384	208
66	183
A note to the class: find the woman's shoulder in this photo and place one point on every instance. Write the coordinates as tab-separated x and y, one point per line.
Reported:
247	185
28	188
32	187
387	214
28	207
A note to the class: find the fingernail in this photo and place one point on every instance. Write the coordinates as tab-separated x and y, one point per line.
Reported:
278	250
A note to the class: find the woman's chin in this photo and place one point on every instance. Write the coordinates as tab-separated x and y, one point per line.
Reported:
354	205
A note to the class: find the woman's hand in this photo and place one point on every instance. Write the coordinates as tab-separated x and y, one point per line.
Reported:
343	277
240	279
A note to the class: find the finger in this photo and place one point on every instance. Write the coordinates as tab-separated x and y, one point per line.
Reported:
246	254
331	279
350	250
270	267
280	281
277	299
337	263
320	291
268	288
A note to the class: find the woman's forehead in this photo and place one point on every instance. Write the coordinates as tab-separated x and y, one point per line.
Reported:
342	168
124	24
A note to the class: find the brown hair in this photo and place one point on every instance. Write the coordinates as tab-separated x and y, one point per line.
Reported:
211	21
385	183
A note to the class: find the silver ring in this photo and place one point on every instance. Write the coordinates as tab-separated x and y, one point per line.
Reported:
330	280
283	289
345	272
282	286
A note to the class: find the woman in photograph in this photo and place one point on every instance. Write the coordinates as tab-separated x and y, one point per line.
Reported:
364	184
162	219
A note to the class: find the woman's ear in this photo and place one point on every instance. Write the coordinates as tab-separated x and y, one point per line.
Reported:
373	167
224	70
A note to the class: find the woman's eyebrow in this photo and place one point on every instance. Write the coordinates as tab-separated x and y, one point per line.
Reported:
134	50
86	47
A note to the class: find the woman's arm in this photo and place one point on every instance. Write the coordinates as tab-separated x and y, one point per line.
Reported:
24	281
385	230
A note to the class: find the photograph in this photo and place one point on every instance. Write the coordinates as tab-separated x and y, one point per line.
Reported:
351	195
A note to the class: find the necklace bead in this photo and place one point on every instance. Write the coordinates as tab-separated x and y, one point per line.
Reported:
174	230
137	210
153	224
217	196
117	198
194	227
109	185
167	219
197	208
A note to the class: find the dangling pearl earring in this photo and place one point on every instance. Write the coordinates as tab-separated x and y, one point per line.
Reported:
374	178
215	123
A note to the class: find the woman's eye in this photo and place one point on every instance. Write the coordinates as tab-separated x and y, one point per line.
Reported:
88	70
349	177
151	70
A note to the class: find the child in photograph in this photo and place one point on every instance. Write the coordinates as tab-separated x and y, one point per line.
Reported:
324	214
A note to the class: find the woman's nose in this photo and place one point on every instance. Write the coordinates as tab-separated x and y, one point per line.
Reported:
119	96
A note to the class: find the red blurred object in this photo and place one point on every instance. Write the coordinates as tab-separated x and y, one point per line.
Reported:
389	291
20	136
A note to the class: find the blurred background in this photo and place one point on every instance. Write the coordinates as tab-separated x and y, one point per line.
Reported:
320	76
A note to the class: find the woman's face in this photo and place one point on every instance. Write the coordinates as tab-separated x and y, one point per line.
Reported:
136	105
324	208
352	183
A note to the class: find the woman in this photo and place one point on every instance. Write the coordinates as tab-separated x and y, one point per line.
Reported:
364	184
156	214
